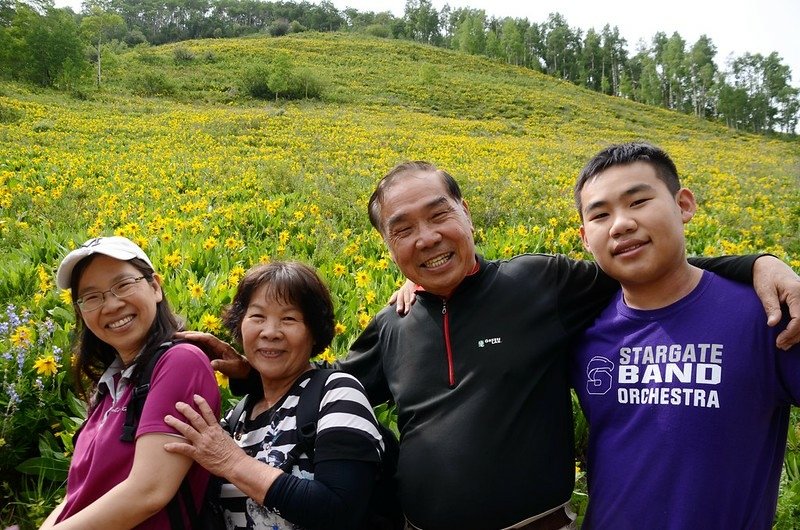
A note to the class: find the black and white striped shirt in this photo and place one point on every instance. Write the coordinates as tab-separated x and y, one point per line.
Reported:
346	429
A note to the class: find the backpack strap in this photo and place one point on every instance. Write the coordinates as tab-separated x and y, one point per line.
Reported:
139	395
234	425
307	412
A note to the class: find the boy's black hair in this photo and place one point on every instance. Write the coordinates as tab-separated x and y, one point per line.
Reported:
628	153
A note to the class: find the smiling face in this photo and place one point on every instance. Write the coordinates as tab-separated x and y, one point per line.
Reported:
633	225
122	323
276	339
429	234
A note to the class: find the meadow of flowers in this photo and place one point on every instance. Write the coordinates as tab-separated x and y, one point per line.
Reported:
210	184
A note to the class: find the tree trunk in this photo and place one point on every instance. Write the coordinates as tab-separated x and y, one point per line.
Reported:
99	54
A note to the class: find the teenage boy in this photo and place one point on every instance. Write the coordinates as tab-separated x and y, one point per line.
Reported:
686	396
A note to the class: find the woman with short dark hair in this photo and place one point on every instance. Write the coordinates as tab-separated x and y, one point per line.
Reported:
282	315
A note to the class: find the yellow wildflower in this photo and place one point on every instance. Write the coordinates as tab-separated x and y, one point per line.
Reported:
45	283
327	356
173	260
362	278
339	269
196	290
363	320
339	328
66	296
235	275
210	323
222	379
22	336
45	365
210	243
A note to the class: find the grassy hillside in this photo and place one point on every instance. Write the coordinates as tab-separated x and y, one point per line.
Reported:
210	182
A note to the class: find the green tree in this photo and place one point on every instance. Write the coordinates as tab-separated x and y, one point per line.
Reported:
511	41
562	48
592	60
732	104
650	86
674	71
702	72
43	46
423	21
534	46
471	34
614	58
98	27
279	78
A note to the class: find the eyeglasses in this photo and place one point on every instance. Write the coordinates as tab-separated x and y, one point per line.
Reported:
95	300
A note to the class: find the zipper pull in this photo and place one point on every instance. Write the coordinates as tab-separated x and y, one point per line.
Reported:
444	307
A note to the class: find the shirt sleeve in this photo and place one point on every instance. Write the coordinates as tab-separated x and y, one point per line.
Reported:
347	428
788	368
583	291
337	497
179	374
736	268
365	363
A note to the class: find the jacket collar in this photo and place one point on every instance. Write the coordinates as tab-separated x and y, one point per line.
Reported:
469	279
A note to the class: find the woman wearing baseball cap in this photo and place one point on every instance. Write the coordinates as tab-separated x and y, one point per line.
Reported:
123	322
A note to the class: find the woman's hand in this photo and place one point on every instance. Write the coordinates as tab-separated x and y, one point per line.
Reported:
208	444
211	447
224	357
404	297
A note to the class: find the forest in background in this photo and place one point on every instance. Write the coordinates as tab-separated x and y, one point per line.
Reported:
57	47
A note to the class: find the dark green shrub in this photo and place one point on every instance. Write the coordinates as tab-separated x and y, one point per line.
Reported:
254	82
10	114
43	125
152	83
279	28
307	85
182	55
378	30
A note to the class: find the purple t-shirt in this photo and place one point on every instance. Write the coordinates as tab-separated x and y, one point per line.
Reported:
688	408
101	460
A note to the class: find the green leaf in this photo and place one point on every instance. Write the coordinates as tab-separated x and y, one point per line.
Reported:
53	467
62	315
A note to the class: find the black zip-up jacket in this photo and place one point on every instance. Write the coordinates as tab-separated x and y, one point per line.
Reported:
481	386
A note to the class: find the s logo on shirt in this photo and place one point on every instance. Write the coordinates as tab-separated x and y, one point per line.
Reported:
600	376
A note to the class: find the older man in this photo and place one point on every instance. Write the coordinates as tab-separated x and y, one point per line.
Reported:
478	369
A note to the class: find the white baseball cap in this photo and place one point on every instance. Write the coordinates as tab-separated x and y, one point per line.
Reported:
116	247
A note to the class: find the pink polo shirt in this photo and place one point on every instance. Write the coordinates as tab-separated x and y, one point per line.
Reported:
101	460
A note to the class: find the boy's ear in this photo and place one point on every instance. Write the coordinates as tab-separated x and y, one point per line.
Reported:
686	202
584	240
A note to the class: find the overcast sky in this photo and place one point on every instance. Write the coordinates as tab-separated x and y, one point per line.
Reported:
734	26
